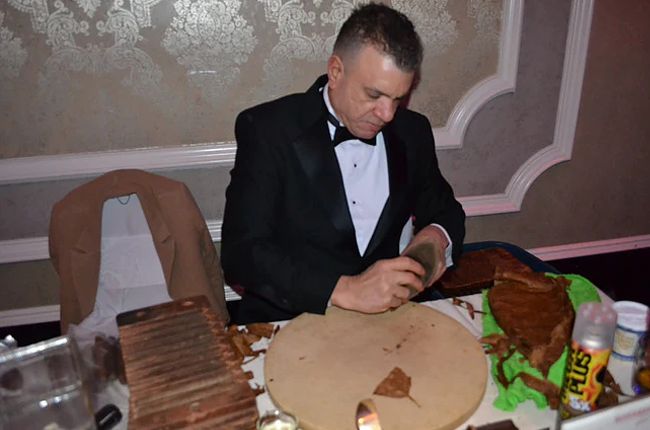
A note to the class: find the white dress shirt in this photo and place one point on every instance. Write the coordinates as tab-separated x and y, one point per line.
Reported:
364	169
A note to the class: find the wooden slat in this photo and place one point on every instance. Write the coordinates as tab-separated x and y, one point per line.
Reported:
182	371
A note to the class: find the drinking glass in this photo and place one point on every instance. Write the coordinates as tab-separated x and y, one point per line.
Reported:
42	387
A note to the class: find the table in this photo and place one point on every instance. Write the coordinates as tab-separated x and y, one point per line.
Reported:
526	417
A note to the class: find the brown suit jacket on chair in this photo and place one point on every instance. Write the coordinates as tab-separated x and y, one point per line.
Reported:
186	251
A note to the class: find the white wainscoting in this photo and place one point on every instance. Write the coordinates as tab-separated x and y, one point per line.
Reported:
36	248
41	314
51	313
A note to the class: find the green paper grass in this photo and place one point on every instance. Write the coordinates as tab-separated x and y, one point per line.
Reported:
580	291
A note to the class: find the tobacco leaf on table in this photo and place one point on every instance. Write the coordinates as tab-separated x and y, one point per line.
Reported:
547	388
466	305
261	329
241	339
397	384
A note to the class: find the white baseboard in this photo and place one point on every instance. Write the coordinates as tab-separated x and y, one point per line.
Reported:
51	313
42	314
39	314
37	248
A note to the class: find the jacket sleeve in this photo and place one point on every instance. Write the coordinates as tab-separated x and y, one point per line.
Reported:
434	200
60	257
250	254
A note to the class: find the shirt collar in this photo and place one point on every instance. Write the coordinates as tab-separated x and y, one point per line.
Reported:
330	109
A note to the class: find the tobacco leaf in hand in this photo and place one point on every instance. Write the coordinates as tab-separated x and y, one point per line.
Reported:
397	384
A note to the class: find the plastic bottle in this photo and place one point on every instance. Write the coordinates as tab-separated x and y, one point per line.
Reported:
591	345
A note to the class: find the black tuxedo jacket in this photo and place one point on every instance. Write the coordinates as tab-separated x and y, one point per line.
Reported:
287	233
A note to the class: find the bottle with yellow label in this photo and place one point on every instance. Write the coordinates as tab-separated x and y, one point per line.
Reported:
591	345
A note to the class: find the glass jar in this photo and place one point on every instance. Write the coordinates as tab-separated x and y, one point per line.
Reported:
42	386
277	420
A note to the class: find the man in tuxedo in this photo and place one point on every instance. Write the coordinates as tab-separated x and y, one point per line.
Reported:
326	182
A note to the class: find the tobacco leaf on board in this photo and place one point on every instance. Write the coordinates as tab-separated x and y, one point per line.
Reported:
397	384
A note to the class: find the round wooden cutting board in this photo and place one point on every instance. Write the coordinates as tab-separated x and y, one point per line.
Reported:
319	368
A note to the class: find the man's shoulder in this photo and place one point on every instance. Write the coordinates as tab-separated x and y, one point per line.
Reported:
408	117
296	108
274	110
410	125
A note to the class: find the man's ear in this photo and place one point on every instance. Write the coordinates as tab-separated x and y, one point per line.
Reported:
335	70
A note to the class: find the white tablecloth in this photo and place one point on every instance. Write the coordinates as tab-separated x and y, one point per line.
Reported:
526	417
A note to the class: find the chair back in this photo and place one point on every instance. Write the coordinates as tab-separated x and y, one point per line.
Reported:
130	274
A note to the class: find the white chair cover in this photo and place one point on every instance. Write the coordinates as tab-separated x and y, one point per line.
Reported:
130	275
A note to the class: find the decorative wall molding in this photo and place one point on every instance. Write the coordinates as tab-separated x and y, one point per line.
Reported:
575	59
573	250
67	166
214	227
51	313
20	250
39	314
452	134
37	248
30	169
57	167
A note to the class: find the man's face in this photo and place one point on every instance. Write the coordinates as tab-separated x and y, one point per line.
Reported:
366	91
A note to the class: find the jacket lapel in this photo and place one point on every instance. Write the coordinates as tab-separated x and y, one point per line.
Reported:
318	159
397	177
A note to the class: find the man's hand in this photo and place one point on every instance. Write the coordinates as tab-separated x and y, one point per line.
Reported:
433	236
380	287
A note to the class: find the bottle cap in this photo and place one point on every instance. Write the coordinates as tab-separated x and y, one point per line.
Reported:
595	325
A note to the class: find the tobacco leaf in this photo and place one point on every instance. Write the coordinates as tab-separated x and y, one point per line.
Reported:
495	343
242	338
467	305
397	384
261	329
547	388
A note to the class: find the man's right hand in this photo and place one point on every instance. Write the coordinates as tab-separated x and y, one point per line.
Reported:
380	287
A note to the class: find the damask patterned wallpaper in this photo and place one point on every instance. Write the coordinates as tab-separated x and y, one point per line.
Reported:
96	75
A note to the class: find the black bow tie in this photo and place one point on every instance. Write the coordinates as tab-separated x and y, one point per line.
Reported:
341	134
